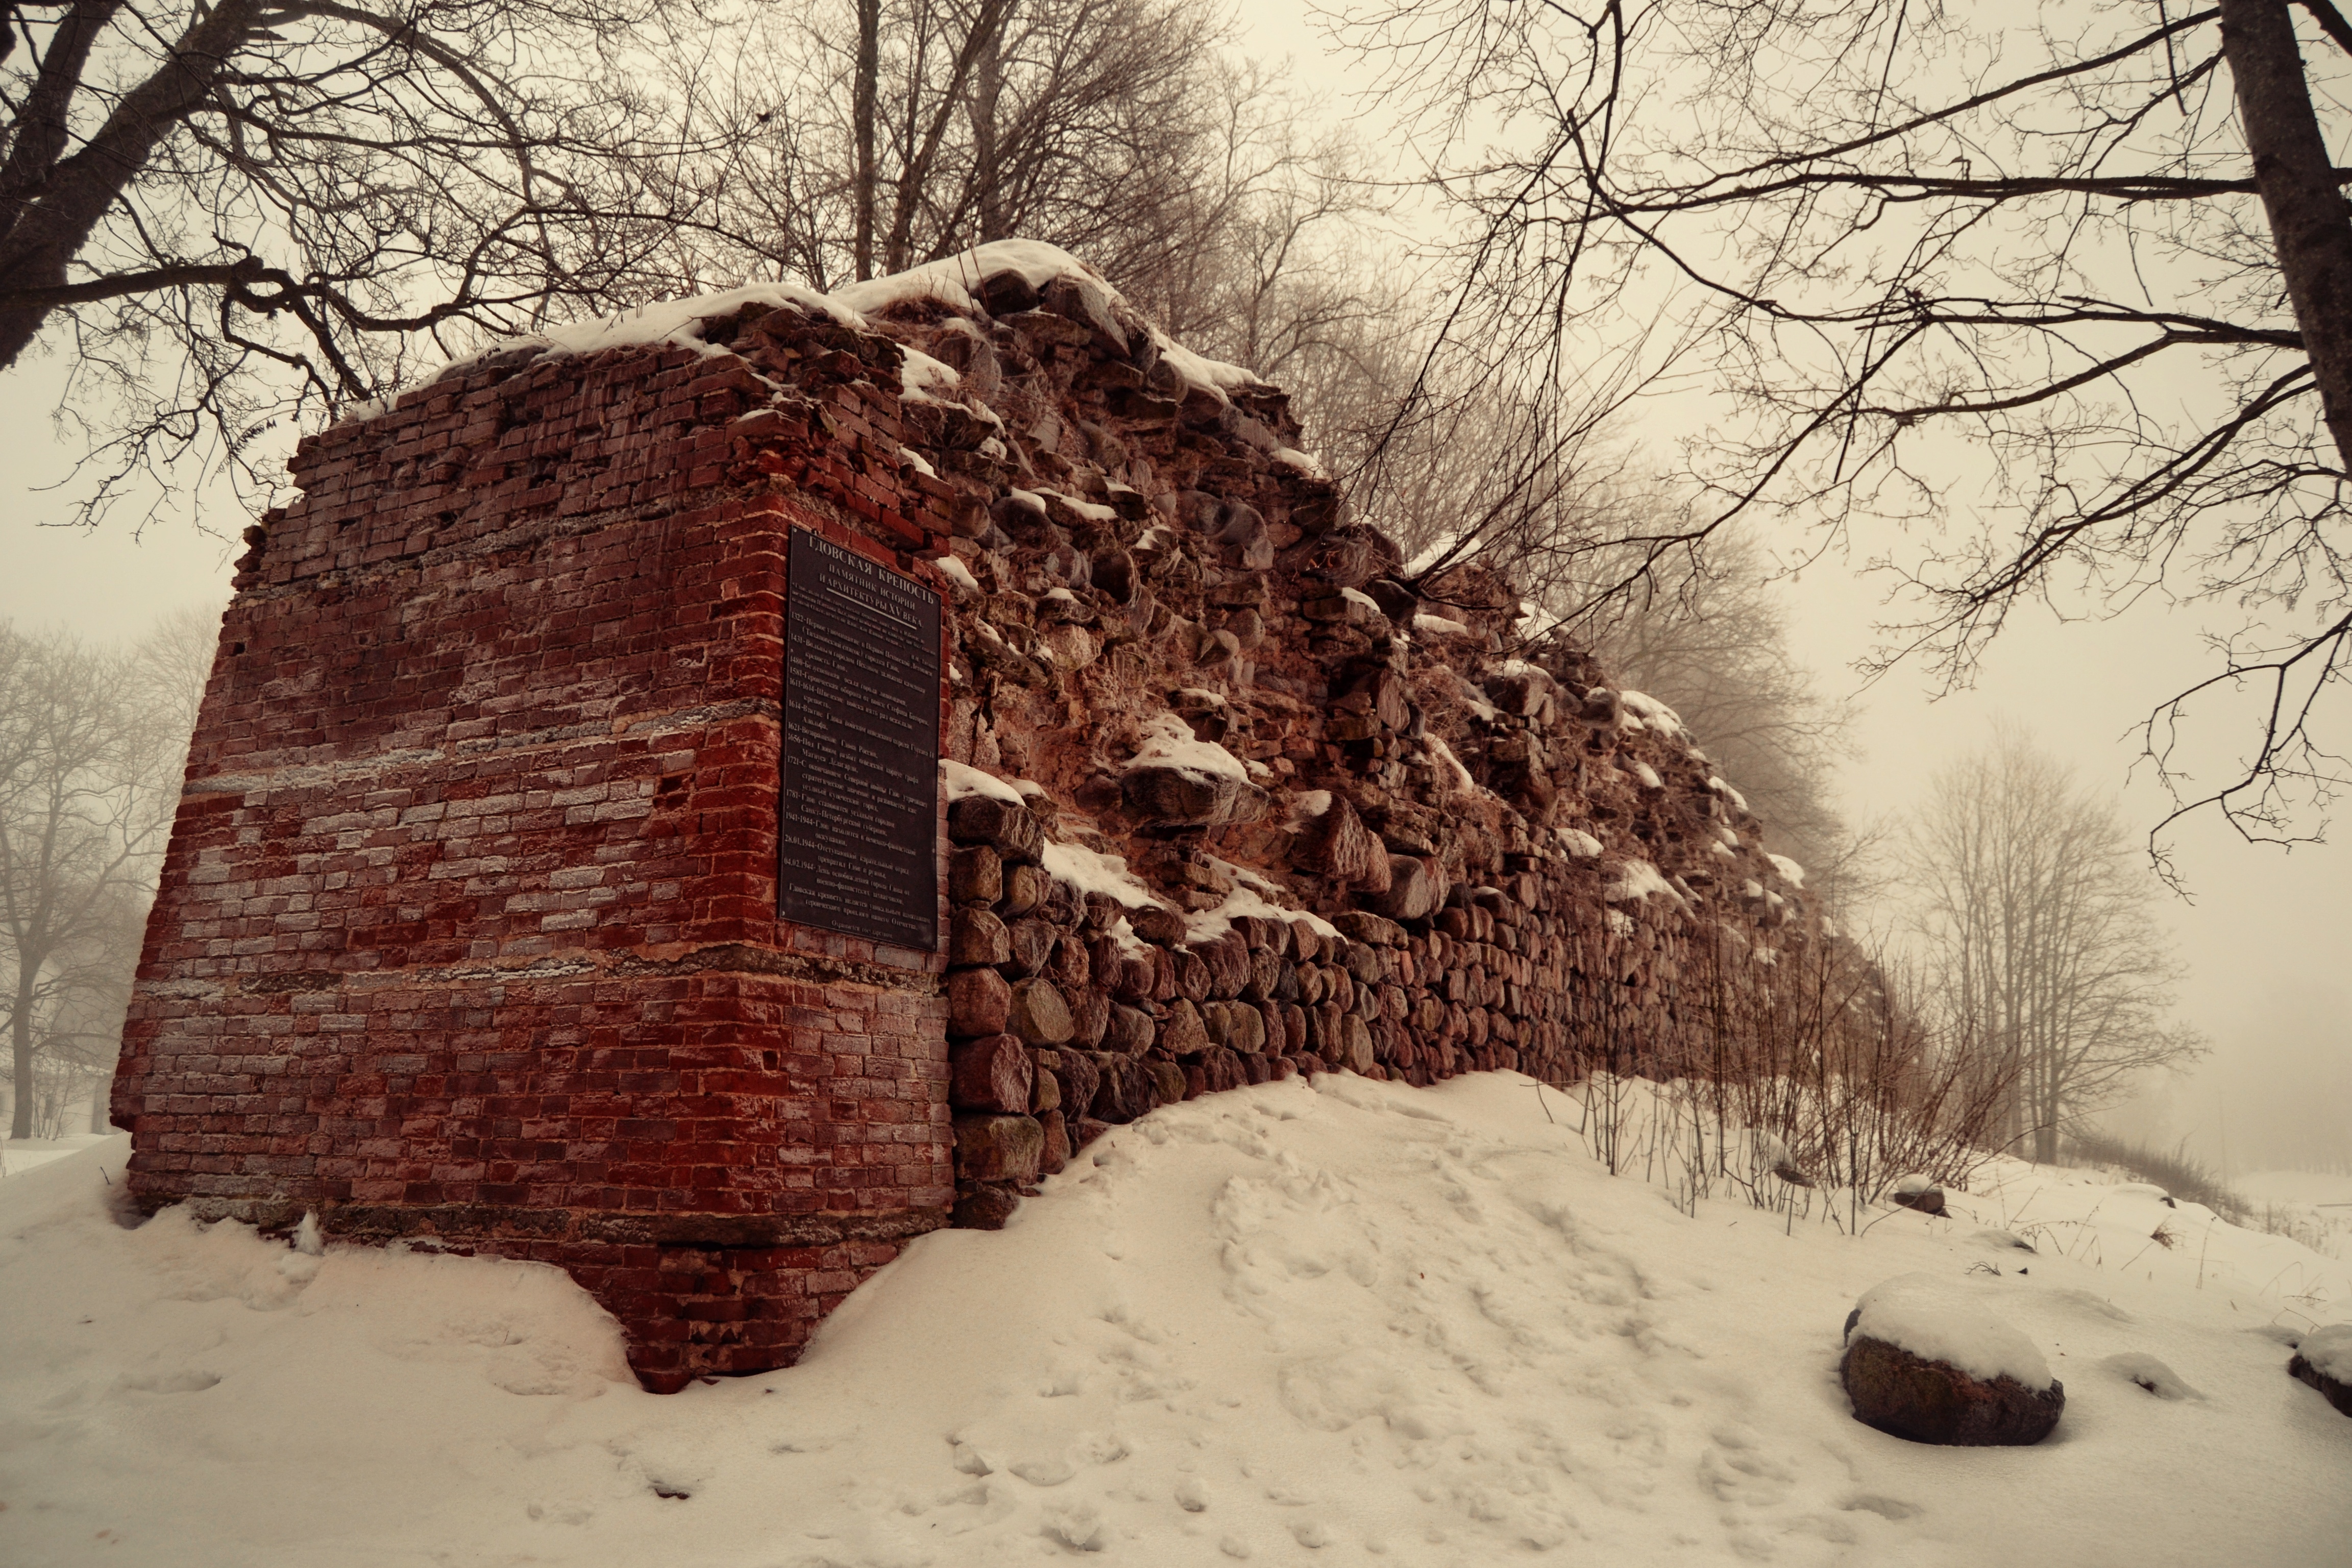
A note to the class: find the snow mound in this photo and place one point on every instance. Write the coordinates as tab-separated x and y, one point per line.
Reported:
1580	843
1090	872
1339	1321
2145	1371
1931	1317
1635	880
1168	742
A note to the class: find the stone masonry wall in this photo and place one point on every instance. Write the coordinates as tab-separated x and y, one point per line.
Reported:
468	932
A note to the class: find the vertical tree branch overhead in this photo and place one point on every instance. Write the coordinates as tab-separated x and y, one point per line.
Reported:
2056	301
2302	196
863	108
979	42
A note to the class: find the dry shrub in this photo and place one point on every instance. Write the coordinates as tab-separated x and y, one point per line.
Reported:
1807	1080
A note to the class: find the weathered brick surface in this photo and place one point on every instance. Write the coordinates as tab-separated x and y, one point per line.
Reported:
467	928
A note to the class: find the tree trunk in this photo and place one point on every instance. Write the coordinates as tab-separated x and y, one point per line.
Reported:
50	228
863	92
20	1051
43	123
923	154
987	90
2310	224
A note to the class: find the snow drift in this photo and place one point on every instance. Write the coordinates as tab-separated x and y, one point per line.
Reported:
1302	1322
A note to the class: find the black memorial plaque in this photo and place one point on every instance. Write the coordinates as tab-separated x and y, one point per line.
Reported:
861	758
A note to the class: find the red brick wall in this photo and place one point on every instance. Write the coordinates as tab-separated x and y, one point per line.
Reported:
467	927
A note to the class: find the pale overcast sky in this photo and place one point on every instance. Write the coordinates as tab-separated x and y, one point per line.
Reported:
2264	937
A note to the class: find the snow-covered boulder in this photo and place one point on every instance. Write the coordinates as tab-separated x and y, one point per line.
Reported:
2324	1360
1923	1362
1917	1192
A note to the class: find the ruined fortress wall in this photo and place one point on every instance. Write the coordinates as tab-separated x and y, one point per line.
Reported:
469	932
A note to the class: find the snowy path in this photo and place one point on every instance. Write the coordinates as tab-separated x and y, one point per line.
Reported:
1343	1323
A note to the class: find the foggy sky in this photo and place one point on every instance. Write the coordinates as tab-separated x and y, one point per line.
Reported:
2270	981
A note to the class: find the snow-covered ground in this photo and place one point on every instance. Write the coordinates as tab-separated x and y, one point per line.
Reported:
18	1155
1330	1323
2308	1187
2313	1206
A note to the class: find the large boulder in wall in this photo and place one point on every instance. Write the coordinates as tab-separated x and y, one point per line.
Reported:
1925	1361
1175	780
1330	839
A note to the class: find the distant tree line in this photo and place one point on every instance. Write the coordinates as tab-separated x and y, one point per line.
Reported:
93	743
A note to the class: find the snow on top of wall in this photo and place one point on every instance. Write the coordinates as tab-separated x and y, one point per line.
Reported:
1931	1317
1726	792
1653	713
950	282
1790	872
677	322
1248	898
1638	880
963	780
956	572
1453	764
1438	626
1358	596
1580	843
1168	742
1648	775
1090	872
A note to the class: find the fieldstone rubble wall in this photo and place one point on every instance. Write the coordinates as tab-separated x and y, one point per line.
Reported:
469	929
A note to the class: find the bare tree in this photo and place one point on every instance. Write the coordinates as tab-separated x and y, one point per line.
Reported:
2039	926
231	214
89	780
2103	243
1116	128
1710	638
